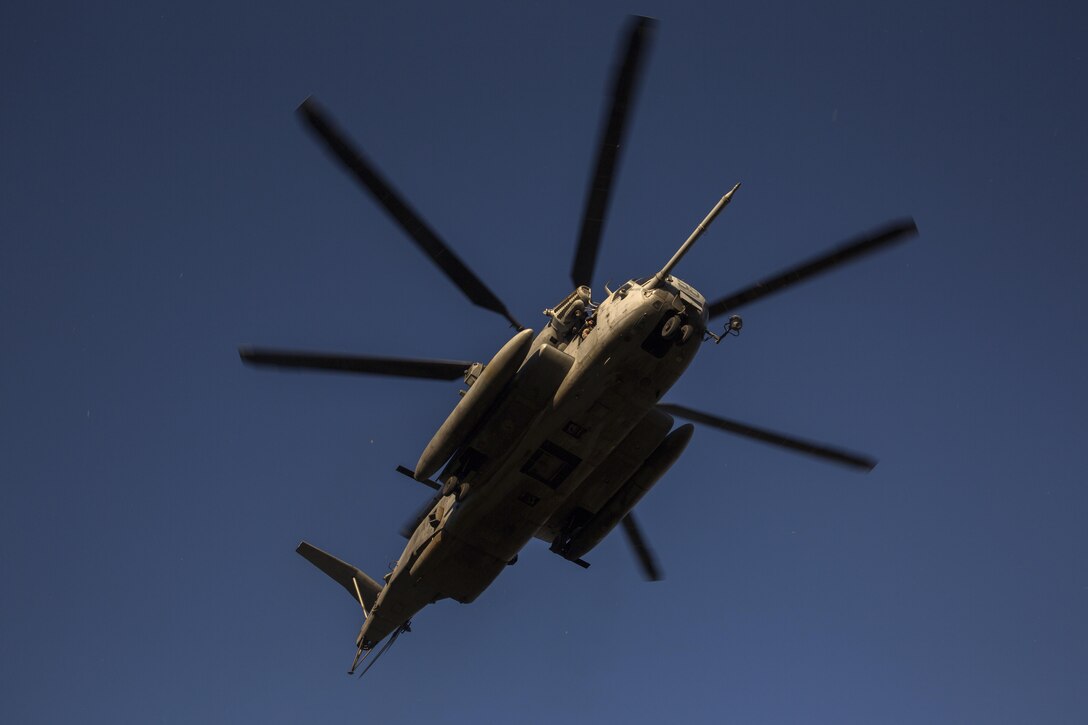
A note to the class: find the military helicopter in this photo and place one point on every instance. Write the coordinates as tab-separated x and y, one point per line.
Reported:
562	432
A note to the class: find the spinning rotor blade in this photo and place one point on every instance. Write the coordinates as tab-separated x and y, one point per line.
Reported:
646	558
608	151
366	364
424	237
819	450
411	524
894	232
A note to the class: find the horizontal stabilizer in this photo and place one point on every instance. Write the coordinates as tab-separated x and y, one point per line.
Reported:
343	574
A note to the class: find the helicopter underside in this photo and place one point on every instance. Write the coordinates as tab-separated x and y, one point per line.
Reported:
566	455
561	439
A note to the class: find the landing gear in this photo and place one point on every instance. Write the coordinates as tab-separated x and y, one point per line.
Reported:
449	486
455	486
671	327
675	327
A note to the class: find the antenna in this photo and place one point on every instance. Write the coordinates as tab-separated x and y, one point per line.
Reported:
703	225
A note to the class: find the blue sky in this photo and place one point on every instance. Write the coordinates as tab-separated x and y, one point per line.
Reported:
161	204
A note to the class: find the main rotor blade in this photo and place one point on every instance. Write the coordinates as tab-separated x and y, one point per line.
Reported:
646	558
366	364
819	450
418	230
889	234
411	524
624	85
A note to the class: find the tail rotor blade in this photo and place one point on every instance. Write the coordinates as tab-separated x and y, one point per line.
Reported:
424	237
365	364
624	87
878	239
818	450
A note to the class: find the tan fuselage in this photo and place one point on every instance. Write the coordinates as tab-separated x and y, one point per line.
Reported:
524	470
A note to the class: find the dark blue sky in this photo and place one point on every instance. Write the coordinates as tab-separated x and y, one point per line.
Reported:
160	204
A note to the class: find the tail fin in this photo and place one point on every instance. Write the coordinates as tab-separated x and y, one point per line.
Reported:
361	587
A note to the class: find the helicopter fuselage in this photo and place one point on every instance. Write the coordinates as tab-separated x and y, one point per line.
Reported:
560	454
560	435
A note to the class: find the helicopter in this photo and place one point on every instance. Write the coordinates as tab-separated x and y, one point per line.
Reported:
562	432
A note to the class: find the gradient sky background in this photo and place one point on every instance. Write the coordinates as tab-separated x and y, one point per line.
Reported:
161	204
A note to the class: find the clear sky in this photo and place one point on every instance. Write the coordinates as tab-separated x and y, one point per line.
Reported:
160	204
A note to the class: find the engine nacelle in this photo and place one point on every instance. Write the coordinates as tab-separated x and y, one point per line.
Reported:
630	493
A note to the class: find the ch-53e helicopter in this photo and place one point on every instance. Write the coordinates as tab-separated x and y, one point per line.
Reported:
561	434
